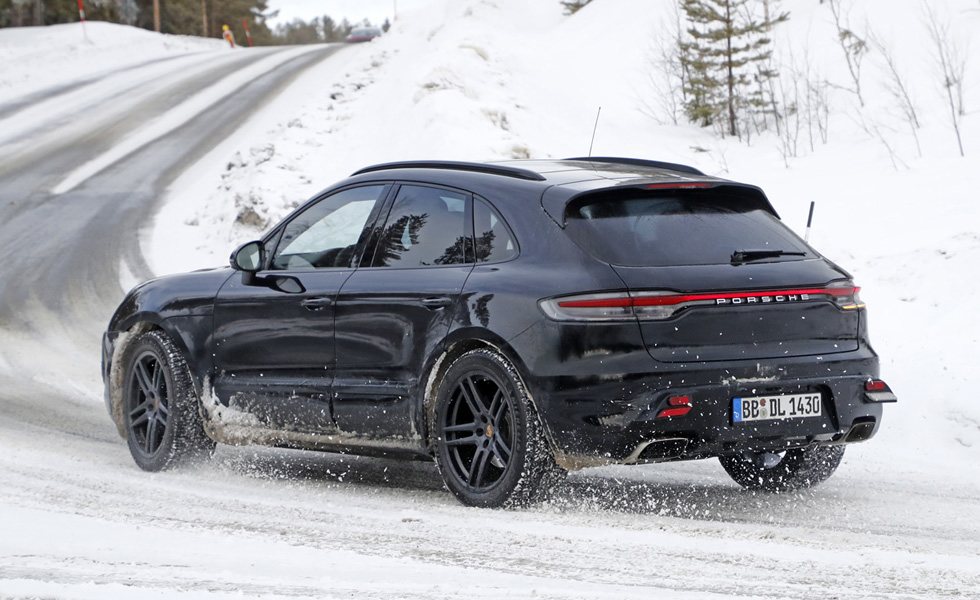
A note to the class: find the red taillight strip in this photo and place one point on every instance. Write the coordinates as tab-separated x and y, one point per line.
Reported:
672	299
624	302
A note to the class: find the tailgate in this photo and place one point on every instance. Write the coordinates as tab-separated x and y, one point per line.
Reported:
724	312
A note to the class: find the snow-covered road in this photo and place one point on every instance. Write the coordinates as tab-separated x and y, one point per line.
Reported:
79	520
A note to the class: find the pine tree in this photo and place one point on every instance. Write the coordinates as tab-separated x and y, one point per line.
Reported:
726	49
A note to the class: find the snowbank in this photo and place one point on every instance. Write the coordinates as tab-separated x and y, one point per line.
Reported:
507	79
35	58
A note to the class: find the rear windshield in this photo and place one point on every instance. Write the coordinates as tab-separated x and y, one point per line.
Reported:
699	227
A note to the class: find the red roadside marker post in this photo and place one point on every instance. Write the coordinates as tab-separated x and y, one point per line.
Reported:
248	32
81	17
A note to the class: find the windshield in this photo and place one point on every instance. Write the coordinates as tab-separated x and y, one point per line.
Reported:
700	227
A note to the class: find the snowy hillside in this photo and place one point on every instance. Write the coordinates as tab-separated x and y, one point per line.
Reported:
483	80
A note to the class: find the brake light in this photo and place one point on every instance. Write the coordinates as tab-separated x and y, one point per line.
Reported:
679	406
875	385
876	390
658	305
690	185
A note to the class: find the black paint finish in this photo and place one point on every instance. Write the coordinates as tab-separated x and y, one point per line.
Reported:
340	358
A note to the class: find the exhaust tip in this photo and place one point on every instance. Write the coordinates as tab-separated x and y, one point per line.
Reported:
664	449
861	431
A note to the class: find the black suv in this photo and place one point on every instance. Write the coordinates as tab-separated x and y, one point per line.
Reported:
512	321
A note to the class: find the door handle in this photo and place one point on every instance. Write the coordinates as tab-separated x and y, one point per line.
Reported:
316	304
437	302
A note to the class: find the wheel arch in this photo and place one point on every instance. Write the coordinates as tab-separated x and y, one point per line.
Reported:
458	343
128	332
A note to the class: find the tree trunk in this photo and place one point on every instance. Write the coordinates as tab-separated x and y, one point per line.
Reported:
156	15
732	128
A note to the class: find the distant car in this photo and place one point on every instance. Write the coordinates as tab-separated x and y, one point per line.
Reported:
511	321
363	34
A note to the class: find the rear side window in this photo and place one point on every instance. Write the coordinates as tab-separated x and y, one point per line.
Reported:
425	228
679	228
494	241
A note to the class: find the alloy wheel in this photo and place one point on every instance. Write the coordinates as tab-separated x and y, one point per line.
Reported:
478	431
148	406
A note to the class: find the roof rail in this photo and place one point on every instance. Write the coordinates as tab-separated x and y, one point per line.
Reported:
456	166
639	162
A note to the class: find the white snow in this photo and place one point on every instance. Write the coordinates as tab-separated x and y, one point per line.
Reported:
35	58
485	79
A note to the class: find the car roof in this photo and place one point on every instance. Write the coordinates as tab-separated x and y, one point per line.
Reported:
555	181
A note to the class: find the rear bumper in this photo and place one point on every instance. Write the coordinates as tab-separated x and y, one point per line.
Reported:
613	418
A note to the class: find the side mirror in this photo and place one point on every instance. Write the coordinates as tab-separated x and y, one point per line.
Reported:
248	257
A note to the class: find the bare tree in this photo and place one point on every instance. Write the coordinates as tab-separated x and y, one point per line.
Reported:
667	77
874	130
899	89
788	89
854	47
951	60
802	93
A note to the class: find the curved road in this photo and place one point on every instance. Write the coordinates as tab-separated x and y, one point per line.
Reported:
77	519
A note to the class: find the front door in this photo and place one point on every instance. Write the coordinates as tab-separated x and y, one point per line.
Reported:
397	307
274	336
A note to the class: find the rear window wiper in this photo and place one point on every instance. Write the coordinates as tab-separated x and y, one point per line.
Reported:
741	256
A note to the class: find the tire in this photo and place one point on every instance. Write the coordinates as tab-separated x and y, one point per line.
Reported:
793	470
161	409
490	448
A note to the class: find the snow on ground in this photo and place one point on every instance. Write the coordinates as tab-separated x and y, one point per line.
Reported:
505	79
479	79
35	58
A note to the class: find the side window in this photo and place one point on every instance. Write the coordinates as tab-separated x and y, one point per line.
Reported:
494	241
426	227
325	235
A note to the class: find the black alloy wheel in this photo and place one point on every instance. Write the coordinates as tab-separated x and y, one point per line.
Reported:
478	429
160	406
490	448
147	405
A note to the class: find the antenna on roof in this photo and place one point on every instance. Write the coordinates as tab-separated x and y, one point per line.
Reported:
809	221
594	128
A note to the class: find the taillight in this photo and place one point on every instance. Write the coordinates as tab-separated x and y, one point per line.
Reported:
590	307
875	385
846	295
678	406
659	305
876	390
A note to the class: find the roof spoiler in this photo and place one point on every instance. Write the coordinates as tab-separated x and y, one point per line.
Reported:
638	162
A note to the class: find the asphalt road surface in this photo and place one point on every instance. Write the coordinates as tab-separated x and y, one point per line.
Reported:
78	519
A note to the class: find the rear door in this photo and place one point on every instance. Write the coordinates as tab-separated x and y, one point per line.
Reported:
398	306
674	251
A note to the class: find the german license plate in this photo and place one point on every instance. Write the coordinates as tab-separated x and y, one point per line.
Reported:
770	408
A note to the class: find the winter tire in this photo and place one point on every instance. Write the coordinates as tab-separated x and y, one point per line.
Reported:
791	470
161	409
491	448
